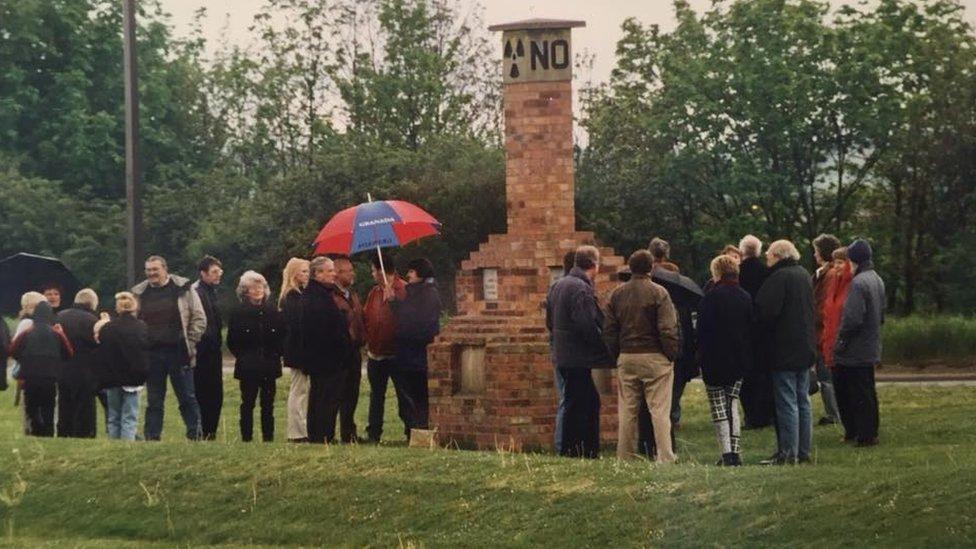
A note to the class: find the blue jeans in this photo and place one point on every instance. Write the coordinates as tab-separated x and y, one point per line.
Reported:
560	409
163	363
794	426
121	413
827	392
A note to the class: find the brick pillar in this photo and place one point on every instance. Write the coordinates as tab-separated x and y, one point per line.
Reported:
490	374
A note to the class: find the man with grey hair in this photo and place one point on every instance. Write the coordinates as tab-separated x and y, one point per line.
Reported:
176	321
784	308
757	386
76	385
576	323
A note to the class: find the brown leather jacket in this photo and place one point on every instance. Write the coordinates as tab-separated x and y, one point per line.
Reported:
641	319
354	314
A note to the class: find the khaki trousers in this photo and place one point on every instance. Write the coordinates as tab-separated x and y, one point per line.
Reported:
644	376
298	405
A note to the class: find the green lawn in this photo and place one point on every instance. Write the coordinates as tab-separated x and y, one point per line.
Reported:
918	488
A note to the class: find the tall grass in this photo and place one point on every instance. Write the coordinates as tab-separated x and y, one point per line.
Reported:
919	339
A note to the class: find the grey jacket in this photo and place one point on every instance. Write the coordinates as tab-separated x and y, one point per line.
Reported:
859	335
192	316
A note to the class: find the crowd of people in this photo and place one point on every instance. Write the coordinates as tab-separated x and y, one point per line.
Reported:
759	334
166	327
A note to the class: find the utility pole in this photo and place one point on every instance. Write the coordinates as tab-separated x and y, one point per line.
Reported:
133	187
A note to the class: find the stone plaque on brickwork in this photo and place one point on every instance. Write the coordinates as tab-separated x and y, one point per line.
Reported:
489	281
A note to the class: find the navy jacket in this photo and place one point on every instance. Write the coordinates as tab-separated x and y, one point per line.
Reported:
859	335
725	333
784	308
418	321
576	323
255	336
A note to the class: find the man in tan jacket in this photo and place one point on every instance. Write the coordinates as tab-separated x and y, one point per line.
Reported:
641	331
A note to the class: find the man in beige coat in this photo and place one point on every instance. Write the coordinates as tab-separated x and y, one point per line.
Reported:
641	331
176	321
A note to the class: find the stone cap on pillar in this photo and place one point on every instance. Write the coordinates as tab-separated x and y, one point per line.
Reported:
537	50
538	23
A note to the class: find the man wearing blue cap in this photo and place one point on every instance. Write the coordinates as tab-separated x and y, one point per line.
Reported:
858	348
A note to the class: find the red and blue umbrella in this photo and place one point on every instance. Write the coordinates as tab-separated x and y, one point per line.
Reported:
373	225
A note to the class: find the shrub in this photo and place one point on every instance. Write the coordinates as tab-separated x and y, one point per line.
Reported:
929	338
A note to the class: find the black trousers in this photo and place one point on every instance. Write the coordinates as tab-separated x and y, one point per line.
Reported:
757	399
581	428
379	373
76	404
414	384
40	395
324	395
250	390
349	399
857	400
208	382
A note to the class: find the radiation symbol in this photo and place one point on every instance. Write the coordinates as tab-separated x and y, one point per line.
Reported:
514	54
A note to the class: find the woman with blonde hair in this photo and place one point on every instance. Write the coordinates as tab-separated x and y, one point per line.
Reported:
124	359
291	302
725	342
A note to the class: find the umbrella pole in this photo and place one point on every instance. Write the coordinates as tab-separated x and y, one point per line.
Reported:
379	252
382	267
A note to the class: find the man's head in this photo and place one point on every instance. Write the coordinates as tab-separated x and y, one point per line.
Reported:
52	294
859	252
781	250
588	260
323	270
345	272
823	248
157	272
87	299
376	268
210	270
569	260
419	269
641	262
750	246
660	249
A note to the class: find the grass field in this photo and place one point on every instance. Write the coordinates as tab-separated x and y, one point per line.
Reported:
917	489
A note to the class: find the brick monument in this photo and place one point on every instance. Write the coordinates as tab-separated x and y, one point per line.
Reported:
491	377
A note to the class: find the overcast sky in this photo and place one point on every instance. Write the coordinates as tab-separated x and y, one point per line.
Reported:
603	18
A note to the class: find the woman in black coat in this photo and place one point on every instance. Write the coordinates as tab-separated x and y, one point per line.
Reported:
123	359
725	344
255	336
41	351
417	324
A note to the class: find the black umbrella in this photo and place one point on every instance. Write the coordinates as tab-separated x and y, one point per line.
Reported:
681	288
23	272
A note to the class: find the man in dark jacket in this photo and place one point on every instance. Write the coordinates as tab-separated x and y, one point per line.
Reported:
417	324
4	348
326	348
858	348
757	386
785	313
641	330
348	302
208	376
576	322
76	386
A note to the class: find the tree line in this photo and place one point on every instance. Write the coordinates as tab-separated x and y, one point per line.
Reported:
776	117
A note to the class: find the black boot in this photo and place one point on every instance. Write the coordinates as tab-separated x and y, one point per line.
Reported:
730	460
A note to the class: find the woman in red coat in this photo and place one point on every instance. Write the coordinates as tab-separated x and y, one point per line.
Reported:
837	283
